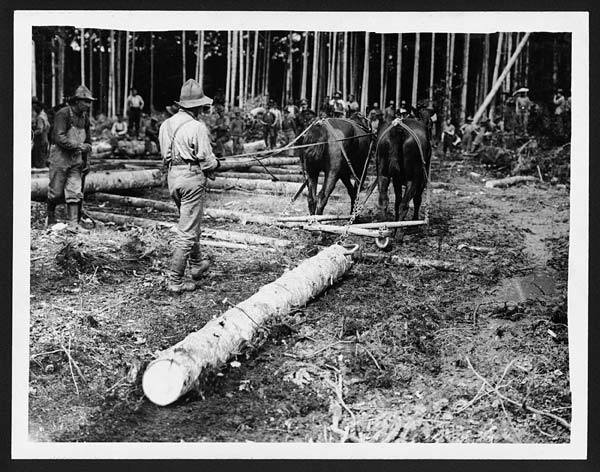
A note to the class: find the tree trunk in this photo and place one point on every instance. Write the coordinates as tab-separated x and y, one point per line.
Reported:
245	238
315	72
496	68
183	71
268	63
201	59
177	369
508	54
290	70
555	63
135	202
234	61
228	95
332	59
105	181
364	101
151	72
254	63
33	72
478	90
486	60
345	67
111	76
247	69
60	76
498	83
296	177
53	72
431	69
352	65
508	181
102	102
91	65
118	76
526	72
304	67
274	188
382	96
82	55
465	79
416	70
126	78
244	163
241	58
132	73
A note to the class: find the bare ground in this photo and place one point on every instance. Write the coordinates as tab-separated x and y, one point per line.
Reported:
391	353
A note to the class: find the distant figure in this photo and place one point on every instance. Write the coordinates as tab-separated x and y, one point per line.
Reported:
151	134
374	118
449	137
40	130
338	106
325	109
560	103
135	104
292	109
118	132
273	121
353	106
305	117
390	112
238	127
222	131
468	131
522	108
288	126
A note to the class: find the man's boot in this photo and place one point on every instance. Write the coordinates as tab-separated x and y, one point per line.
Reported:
175	280
198	266
50	214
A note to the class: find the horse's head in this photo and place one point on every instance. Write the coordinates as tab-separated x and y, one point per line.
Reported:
361	120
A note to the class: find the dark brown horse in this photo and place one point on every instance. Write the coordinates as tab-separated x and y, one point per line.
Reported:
399	159
344	140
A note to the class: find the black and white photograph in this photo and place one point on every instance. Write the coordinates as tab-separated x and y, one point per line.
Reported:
300	235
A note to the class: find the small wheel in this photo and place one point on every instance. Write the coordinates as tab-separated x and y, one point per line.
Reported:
383	243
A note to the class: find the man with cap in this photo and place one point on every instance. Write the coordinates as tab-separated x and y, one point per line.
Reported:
522	107
338	106
305	117
40	128
68	156
353	106
135	104
185	147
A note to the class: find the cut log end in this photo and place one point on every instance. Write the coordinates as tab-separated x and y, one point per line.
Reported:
163	381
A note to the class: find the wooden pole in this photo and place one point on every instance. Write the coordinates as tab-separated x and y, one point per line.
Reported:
496	67
416	70
465	78
498	83
431	69
126	79
364	101
254	62
315	72
176	370
82	55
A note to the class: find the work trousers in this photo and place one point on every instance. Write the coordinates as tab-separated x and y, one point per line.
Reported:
65	176
187	185
135	115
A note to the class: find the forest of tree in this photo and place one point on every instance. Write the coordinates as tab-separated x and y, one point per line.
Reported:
454	70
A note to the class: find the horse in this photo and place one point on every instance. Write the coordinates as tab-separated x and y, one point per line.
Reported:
332	156
404	157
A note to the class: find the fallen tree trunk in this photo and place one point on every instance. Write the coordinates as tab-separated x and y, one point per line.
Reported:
278	188
231	236
291	169
407	261
508	181
134	201
157	163
298	178
177	370
107	180
244	163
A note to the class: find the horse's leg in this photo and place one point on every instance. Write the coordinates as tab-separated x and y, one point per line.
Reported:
328	186
311	184
417	199
402	204
383	183
352	190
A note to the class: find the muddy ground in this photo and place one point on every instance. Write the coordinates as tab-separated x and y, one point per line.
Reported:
411	347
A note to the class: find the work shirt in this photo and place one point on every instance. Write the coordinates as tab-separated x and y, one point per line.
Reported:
135	101
119	129
237	127
69	131
522	105
560	102
191	144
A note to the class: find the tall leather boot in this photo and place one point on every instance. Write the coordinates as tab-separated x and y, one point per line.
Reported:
72	214
175	279
198	266
50	214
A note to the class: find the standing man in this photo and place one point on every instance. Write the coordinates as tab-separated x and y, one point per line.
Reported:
338	106
522	107
390	112
305	117
238	128
353	106
68	156
41	127
135	104
560	103
185	147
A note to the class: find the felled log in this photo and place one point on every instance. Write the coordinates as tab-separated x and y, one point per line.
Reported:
156	163
305	218
177	370
278	188
292	169
350	229
231	236
244	163
508	181
135	201
299	178
103	181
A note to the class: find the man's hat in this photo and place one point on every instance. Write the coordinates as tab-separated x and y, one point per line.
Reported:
522	90
192	95
303	102
469	119
83	93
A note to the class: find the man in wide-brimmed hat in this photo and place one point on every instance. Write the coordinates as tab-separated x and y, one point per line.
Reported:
68	156
522	107
185	147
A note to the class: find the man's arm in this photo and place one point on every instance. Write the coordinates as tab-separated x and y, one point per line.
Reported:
61	126
204	152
